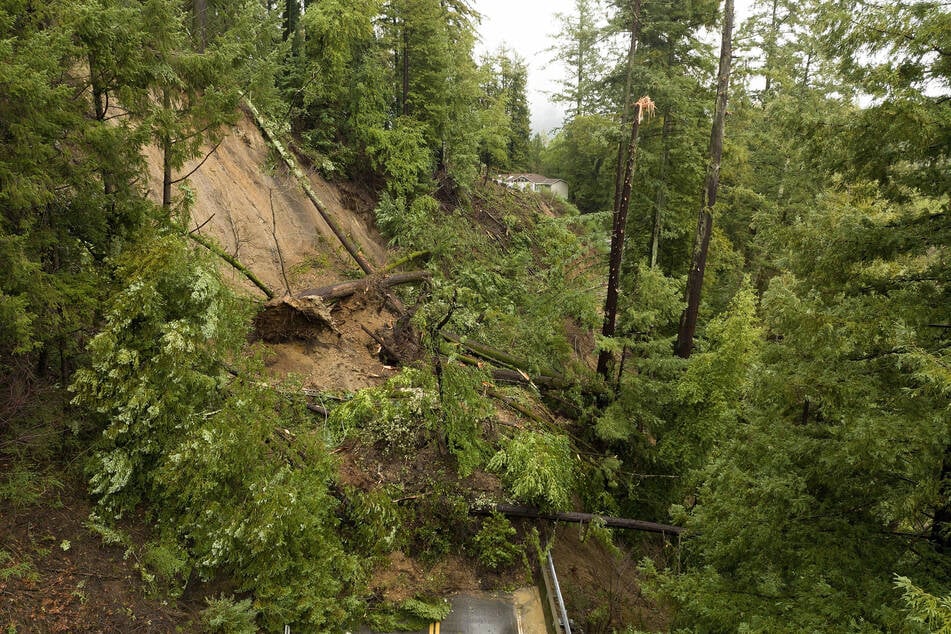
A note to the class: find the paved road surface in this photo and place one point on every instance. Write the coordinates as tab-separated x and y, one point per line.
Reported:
477	615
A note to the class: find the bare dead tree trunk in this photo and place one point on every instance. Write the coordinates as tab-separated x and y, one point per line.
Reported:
660	202
200	9
708	196
166	157
626	114
606	358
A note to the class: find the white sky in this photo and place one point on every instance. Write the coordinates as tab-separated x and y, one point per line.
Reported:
528	27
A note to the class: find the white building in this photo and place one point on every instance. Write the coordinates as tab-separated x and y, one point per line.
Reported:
535	183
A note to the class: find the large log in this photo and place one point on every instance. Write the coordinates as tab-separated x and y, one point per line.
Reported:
345	289
578	518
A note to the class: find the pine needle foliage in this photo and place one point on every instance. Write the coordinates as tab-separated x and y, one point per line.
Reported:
199	447
538	468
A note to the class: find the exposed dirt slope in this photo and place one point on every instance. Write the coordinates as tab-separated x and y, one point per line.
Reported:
246	199
248	202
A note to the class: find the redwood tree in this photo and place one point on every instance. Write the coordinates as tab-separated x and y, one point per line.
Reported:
708	196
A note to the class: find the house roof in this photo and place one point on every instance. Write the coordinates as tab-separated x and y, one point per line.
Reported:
537	179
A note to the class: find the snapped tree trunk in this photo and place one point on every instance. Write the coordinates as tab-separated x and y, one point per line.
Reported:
605	358
708	196
660	202
626	113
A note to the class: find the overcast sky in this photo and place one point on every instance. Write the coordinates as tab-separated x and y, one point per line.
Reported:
528	27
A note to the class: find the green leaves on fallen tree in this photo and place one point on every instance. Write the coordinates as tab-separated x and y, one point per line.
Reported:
202	448
538	468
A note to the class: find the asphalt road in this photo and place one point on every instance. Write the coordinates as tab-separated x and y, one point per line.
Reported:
476	615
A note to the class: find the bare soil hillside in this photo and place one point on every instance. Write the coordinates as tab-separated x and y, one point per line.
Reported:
245	198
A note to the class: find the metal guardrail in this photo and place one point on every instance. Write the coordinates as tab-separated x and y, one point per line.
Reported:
559	600
556	613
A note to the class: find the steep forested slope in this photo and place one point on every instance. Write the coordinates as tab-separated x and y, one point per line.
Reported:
293	461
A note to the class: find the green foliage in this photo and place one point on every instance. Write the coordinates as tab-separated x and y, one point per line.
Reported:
711	392
408	615
245	504
584	154
402	156
156	335
201	448
842	444
406	225
23	486
465	408
409	411
928	610
399	415
372	521
494	543
537	467
224	615
440	519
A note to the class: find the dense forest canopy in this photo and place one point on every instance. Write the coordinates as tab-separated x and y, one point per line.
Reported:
776	377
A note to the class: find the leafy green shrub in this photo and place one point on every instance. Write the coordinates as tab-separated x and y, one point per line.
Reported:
200	446
537	467
224	615
397	415
494	542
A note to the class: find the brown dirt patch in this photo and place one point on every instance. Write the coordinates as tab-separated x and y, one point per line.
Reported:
602	589
343	358
59	577
257	212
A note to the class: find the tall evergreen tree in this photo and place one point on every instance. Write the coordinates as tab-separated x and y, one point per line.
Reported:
579	51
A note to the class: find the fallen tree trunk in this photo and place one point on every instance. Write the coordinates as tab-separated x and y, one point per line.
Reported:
302	180
499	357
345	289
517	376
227	257
578	518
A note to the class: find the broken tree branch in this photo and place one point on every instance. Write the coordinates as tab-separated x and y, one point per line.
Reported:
302	180
221	253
